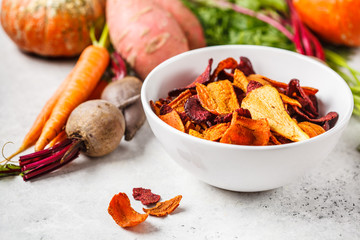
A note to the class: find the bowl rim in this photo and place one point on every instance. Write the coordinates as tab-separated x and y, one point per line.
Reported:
341	122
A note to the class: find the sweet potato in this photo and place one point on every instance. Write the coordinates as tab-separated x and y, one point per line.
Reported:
143	33
187	21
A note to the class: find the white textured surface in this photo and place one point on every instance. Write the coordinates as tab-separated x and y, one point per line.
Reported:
72	202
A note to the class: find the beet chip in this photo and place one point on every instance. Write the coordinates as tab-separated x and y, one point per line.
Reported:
164	208
204	78
122	212
306	103
245	66
145	196
253	85
195	111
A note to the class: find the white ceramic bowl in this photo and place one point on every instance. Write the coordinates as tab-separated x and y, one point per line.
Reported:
248	168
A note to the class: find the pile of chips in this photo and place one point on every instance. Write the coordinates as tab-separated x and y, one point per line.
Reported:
234	105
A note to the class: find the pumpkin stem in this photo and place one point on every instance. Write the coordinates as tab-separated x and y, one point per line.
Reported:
103	41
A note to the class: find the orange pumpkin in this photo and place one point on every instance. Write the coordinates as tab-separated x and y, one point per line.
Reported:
335	21
55	28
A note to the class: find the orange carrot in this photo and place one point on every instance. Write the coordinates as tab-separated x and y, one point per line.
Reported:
60	137
86	75
96	94
35	131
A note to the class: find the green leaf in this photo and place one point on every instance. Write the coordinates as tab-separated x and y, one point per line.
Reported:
9	170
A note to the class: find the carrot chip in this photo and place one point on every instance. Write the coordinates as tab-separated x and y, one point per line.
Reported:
164	208
145	196
173	119
122	212
246	131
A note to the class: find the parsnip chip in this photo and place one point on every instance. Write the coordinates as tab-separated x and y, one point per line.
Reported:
246	131
265	102
122	212
164	208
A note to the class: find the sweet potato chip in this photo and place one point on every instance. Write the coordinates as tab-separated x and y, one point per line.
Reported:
259	78
164	208
145	196
246	131
179	102
279	85
155	108
215	132
240	80
195	133
224	95
289	100
228	63
173	119
311	129
122	212
265	102
218	97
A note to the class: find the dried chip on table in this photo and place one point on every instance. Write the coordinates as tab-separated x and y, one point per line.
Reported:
246	131
122	212
265	102
218	97
164	208
173	119
145	196
311	129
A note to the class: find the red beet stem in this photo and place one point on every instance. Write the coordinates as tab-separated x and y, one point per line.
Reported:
118	66
36	164
48	168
